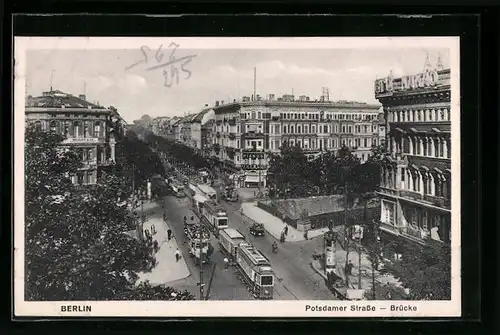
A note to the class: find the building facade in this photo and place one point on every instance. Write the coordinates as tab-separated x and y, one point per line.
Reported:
416	176
246	132
90	128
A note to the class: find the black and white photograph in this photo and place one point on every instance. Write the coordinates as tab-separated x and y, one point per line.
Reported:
310	177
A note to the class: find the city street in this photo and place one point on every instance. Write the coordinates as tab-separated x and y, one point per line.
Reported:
292	263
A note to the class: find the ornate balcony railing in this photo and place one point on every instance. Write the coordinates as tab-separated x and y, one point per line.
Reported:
253	167
438	201
411	195
253	155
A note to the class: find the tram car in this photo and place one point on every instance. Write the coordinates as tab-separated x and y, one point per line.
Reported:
178	190
207	191
197	202
229	241
256	271
198	239
214	216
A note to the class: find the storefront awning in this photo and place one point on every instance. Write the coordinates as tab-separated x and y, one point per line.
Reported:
438	170
425	168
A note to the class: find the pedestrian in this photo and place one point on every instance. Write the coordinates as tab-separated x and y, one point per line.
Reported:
286	230
226	263
282	237
348	268
153	230
169	234
177	255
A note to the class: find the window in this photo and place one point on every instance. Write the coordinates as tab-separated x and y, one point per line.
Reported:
441	148
86	130
313	129
284	129
277	129
53	126
343	129
306	129
260	143
299	130
237	143
387	213
291	129
365	142
38	125
325	129
375	143
259	115
78	129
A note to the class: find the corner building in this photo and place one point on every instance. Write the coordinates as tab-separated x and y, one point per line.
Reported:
246	132
90	128
416	179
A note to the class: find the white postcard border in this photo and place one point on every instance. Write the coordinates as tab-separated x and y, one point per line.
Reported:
178	309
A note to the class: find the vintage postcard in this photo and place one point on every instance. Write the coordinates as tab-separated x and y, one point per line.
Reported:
284	177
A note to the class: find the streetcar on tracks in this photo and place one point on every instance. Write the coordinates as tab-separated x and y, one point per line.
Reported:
210	213
214	216
255	270
229	241
207	191
198	238
178	190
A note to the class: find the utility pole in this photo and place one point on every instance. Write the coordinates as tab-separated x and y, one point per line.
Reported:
346	229
359	262
201	260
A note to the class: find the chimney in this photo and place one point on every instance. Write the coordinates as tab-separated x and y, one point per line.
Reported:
234	100
217	104
222	102
82	97
271	96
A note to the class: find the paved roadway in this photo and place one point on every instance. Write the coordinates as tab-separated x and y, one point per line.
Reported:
292	262
296	280
225	284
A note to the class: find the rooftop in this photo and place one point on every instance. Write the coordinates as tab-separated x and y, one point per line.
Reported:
59	99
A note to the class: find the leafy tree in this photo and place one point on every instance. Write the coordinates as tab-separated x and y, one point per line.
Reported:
424	270
75	246
137	161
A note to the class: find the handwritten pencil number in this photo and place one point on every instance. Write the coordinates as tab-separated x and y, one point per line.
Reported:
171	74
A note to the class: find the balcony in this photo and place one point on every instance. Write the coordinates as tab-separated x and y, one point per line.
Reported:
232	136
389	191
411	195
253	155
232	122
106	162
253	167
253	135
438	201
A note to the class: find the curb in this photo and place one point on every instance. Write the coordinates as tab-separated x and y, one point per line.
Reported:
318	271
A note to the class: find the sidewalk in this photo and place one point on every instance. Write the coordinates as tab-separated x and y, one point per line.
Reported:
274	225
166	269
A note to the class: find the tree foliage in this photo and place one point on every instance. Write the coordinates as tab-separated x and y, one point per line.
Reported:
180	154
75	242
136	160
331	173
424	270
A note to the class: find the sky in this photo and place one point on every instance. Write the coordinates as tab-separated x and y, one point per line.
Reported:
217	74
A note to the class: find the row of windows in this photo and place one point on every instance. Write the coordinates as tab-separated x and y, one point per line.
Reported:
84	177
433	184
441	114
312	116
423	146
75	128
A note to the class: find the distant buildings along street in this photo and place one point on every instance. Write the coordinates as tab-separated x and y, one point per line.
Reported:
416	176
239	135
91	128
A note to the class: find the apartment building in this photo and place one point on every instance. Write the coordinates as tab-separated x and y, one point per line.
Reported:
90	128
245	132
416	176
